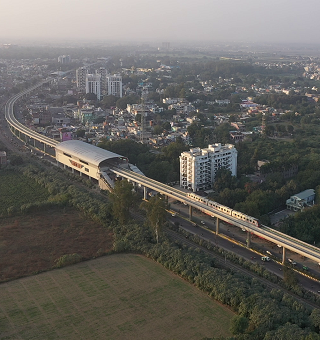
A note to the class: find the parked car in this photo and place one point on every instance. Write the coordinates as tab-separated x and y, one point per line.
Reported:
292	262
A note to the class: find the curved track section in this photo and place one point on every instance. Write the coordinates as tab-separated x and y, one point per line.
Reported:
14	124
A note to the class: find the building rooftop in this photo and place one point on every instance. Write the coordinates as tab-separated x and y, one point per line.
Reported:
87	152
304	194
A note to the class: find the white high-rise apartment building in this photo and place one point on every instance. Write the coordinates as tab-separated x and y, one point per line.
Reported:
93	82
64	59
198	167
103	72
114	85
81	74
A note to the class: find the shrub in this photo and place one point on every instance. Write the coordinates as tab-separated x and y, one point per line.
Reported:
68	259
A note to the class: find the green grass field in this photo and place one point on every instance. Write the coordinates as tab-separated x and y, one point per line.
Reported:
113	297
17	189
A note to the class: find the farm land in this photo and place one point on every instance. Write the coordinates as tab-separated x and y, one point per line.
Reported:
32	243
120	296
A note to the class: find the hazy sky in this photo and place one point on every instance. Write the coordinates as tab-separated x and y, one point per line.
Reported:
165	20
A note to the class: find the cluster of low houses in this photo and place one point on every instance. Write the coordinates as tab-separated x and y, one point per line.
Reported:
116	124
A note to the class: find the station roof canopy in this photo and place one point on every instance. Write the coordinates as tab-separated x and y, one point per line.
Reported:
87	152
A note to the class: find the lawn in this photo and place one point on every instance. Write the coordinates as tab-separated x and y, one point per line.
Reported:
113	297
17	190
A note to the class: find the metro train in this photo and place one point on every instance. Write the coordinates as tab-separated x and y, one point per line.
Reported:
225	210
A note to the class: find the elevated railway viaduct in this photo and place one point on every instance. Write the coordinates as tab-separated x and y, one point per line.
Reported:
98	164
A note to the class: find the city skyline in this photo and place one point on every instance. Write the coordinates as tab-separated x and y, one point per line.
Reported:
144	21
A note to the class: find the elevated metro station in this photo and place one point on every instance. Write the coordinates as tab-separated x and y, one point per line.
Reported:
87	159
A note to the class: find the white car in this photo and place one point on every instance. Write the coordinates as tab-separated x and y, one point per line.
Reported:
292	262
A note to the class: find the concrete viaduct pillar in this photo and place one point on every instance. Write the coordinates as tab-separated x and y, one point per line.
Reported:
217	226
283	255
190	212
145	197
248	239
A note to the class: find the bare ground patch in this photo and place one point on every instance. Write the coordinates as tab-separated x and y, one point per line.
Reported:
114	297
32	243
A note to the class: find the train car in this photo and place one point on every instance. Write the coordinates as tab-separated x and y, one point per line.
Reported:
225	210
198	198
220	207
246	218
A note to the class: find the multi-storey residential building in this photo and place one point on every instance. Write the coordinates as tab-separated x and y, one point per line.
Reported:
198	167
93	82
64	59
103	73
114	85
81	74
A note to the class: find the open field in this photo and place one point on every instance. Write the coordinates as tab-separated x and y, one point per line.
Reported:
17	189
32	243
113	297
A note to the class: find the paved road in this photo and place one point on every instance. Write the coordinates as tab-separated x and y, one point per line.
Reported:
236	246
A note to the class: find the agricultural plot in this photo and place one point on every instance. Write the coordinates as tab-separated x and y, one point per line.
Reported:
32	243
114	297
17	190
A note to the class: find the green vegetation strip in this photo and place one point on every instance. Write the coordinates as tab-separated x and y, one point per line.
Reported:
17	189
114	297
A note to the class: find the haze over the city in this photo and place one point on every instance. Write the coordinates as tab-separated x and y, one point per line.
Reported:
273	21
